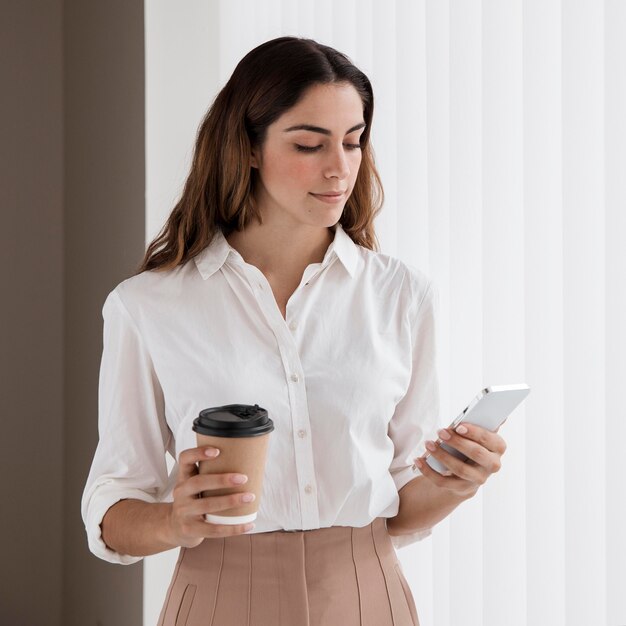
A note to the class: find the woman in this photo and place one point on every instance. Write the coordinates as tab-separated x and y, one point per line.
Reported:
265	287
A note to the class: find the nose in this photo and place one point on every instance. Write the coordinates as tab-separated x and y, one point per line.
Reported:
337	164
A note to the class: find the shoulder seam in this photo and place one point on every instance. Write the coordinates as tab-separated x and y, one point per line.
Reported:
429	287
127	314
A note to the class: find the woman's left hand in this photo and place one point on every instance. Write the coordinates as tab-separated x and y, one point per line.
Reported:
483	448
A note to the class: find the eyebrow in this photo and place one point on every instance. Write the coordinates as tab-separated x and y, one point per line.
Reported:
323	131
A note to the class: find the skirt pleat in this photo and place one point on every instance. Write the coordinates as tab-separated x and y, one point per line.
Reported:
341	575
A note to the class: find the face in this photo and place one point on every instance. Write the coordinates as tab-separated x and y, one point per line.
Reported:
296	164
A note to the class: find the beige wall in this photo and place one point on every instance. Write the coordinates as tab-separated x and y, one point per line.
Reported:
31	330
73	221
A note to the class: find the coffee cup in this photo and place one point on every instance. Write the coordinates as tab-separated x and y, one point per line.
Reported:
241	432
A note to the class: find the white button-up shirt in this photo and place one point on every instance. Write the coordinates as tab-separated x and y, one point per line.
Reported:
349	379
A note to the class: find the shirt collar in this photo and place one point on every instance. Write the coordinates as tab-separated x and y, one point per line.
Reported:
213	256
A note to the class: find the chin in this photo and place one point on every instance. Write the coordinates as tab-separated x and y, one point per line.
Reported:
323	216
328	220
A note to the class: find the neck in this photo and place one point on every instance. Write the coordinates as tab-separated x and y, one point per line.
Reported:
281	250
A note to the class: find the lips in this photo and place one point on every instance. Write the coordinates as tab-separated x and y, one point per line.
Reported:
336	198
330	194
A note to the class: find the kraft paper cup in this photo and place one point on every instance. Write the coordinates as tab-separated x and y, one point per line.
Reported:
241	432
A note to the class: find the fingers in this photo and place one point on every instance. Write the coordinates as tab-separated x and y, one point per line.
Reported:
469	472
186	521
448	482
193	529
195	508
476	452
196	484
482	448
187	460
490	440
215	504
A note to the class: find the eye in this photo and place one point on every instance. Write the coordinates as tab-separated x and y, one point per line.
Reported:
350	146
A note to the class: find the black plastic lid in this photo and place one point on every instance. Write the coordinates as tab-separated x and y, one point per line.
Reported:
233	420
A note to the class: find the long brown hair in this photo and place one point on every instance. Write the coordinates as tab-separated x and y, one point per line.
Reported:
219	192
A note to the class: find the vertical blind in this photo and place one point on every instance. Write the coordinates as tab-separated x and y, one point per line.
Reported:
500	135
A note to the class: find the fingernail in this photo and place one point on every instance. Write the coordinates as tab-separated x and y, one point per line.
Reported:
239	479
444	434
431	446
211	452
461	429
418	462
248	527
248	497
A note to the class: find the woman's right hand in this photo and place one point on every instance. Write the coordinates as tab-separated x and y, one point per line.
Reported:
187	525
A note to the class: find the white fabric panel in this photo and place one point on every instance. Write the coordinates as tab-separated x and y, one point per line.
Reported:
412	210
385	82
466	289
543	308
437	607
504	524
289	16
615	262
411	207
345	27
179	83
237	35
584	310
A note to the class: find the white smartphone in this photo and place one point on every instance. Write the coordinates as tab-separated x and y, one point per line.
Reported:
488	409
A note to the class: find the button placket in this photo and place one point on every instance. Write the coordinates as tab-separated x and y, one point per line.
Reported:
298	404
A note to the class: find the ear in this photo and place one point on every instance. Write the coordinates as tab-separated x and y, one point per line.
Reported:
254	162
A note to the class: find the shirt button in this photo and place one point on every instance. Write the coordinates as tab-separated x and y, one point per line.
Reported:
302	434
295	378
308	489
293	326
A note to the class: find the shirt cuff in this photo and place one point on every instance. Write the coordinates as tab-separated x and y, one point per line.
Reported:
400	541
102	501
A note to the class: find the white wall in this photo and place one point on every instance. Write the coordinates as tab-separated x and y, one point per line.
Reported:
500	138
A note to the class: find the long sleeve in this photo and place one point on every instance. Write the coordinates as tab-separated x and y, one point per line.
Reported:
416	417
129	461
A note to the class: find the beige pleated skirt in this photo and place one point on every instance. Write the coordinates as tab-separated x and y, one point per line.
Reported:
337	576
